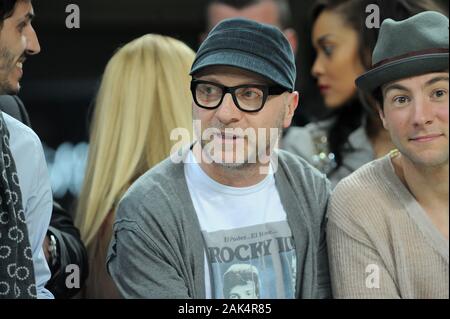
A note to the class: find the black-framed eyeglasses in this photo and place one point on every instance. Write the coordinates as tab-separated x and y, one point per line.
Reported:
247	97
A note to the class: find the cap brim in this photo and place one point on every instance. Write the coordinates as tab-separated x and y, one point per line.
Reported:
401	69
243	61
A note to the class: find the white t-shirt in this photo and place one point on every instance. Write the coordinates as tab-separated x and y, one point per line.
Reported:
250	251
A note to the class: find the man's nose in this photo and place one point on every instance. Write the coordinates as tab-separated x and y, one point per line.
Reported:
33	47
228	112
424	112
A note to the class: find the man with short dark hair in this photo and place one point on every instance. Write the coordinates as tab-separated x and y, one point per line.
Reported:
62	244
25	193
388	226
232	197
18	40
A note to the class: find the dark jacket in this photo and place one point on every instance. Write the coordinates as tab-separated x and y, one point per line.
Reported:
71	249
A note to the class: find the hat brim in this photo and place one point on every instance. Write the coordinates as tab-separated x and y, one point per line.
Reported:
243	61
401	69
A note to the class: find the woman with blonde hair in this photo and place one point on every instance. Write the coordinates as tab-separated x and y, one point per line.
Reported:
143	96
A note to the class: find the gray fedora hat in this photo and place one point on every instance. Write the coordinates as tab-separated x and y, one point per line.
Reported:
414	46
249	45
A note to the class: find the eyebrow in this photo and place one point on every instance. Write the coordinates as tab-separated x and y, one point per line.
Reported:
436	79
323	38
28	17
403	88
395	87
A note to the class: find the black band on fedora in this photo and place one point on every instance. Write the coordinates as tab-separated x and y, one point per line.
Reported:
408	55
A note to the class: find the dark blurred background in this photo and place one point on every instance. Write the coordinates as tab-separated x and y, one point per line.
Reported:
60	83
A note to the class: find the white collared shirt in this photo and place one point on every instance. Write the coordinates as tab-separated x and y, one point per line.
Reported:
26	149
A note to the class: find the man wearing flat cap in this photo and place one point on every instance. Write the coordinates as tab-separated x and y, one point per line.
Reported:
234	198
389	221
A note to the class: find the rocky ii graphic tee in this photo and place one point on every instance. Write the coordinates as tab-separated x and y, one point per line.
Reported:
249	248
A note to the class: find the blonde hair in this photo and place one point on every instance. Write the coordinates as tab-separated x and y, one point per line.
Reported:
143	96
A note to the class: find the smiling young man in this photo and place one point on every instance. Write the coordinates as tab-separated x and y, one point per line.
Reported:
18	40
234	200
25	193
388	227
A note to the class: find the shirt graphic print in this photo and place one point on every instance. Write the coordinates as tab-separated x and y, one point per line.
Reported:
256	262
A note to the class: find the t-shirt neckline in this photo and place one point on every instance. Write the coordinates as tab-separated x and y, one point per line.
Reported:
194	170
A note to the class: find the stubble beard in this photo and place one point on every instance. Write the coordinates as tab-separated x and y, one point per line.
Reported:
6	67
252	148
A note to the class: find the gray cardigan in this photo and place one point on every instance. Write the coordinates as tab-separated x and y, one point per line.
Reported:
157	249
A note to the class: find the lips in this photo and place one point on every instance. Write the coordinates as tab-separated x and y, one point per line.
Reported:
324	88
20	62
19	65
225	136
425	138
